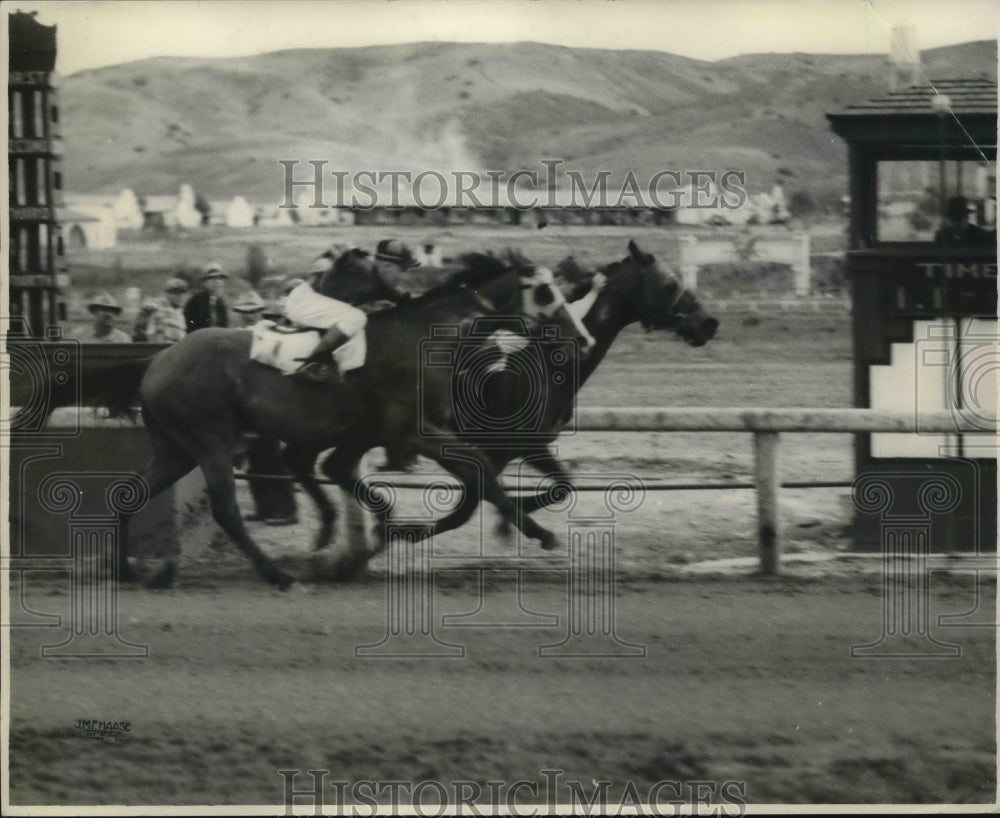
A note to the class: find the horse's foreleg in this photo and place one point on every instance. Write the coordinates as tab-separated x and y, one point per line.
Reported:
300	463
543	460
479	482
342	467
218	471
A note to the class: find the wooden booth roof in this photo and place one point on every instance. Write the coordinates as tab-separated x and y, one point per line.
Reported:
908	113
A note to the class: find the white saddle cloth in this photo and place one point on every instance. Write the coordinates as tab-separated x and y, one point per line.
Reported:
278	349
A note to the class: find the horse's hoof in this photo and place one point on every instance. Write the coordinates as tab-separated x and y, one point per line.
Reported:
549	541
281	580
345	570
126	573
504	529
162	578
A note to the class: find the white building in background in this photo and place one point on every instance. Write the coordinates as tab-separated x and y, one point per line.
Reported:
171	212
124	207
235	212
128	214
273	216
239	213
92	228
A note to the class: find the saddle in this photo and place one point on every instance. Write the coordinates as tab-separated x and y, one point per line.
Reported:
279	347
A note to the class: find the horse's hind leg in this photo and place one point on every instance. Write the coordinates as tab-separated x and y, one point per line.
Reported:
300	463
167	466
218	471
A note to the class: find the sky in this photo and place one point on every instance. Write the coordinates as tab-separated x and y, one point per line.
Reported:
96	33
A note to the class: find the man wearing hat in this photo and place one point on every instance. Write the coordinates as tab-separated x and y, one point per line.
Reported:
957	231
207	308
168	324
250	307
105	309
273	496
143	321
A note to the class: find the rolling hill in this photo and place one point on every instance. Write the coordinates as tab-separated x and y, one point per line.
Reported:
223	124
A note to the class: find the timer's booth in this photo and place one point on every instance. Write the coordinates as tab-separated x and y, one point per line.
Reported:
922	266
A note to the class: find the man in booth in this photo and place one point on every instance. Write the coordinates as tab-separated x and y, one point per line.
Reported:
958	232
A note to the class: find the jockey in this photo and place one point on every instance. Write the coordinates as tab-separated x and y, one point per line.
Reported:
305	307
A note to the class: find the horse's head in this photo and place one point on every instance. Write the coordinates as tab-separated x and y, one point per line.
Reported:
353	276
659	299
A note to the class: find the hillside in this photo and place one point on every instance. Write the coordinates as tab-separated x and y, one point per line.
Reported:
223	124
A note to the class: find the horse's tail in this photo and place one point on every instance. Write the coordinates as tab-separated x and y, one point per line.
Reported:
113	386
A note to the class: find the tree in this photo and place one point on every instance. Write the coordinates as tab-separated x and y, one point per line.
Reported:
800	204
202	206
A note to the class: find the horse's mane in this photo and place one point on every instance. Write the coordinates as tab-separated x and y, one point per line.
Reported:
477	268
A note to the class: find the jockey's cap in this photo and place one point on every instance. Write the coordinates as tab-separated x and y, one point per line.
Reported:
394	251
176	285
103	301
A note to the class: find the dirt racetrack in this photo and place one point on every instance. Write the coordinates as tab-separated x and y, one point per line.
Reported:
744	680
747	685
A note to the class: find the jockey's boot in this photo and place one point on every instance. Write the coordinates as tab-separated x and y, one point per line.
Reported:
320	366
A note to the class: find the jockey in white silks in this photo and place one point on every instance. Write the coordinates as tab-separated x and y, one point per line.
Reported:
340	322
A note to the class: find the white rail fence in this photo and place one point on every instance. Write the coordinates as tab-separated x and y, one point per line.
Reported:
766	425
694	251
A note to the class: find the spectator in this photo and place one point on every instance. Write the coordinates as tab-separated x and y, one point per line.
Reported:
272	491
105	309
141	328
956	230
168	325
250	307
207	307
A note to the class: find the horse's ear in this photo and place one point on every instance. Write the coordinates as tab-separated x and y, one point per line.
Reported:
634	250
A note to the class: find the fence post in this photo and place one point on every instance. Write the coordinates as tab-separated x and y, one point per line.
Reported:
688	261
766	477
801	265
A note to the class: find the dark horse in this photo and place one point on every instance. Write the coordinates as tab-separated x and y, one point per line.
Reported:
201	395
634	289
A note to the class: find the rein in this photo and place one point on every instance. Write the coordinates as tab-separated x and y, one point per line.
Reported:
481	300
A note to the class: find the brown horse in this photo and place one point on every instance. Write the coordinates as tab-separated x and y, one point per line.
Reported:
201	395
